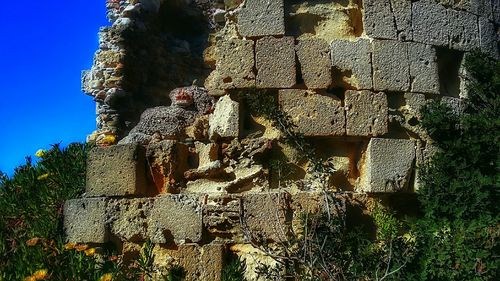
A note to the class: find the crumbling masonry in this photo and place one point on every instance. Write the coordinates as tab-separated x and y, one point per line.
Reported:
192	170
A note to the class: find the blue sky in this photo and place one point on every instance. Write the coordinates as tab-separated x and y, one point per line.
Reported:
44	46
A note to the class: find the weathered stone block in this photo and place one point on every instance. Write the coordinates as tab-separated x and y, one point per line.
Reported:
199	262
430	23
388	165
224	122
261	18
234	67
366	113
424	74
275	59
495	6
314	114
379	19
85	220
207	153
127	218
117	170
414	102
314	58
176	218
267	216
390	66
488	37
402	18
354	57
221	215
464	30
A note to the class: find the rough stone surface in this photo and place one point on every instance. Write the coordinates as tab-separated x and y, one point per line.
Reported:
234	67
224	122
430	23
127	218
390	66
85	220
414	102
424	74
199	262
366	113
314	114
487	38
275	59
267	216
314	59
495	5
262	18
221	215
353	57
388	165
379	19
176	218
464	30
402	18
117	170
207	153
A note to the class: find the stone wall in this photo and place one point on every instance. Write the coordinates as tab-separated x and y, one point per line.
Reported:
350	75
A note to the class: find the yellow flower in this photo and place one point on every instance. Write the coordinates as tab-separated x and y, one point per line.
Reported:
30	278
69	246
43	177
40	153
80	248
106	140
106	277
90	252
32	242
40	274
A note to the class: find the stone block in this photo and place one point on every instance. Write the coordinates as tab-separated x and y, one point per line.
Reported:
366	113
379	19
430	23
207	153
176	218
221	215
476	7
314	59
388	165
402	18
261	18
266	216
424	74
127	218
390	66
117	170
413	103
353	57
199	262
495	6
275	60
234	67
224	122
488	37
464	30
85	220
314	114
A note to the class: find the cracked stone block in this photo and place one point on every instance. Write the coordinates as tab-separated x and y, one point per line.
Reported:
117	170
221	214
127	218
234	67
199	262
379	19
366	113
353	57
85	220
275	60
476	7
390	66
314	59
464	30
224	122
261	18
314	114
488	37
388	165
430	23
176	218
267	216
402	18
424	73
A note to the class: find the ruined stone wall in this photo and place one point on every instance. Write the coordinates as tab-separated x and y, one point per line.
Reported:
350	76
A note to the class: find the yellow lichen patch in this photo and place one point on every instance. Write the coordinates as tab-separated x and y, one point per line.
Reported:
270	131
253	258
